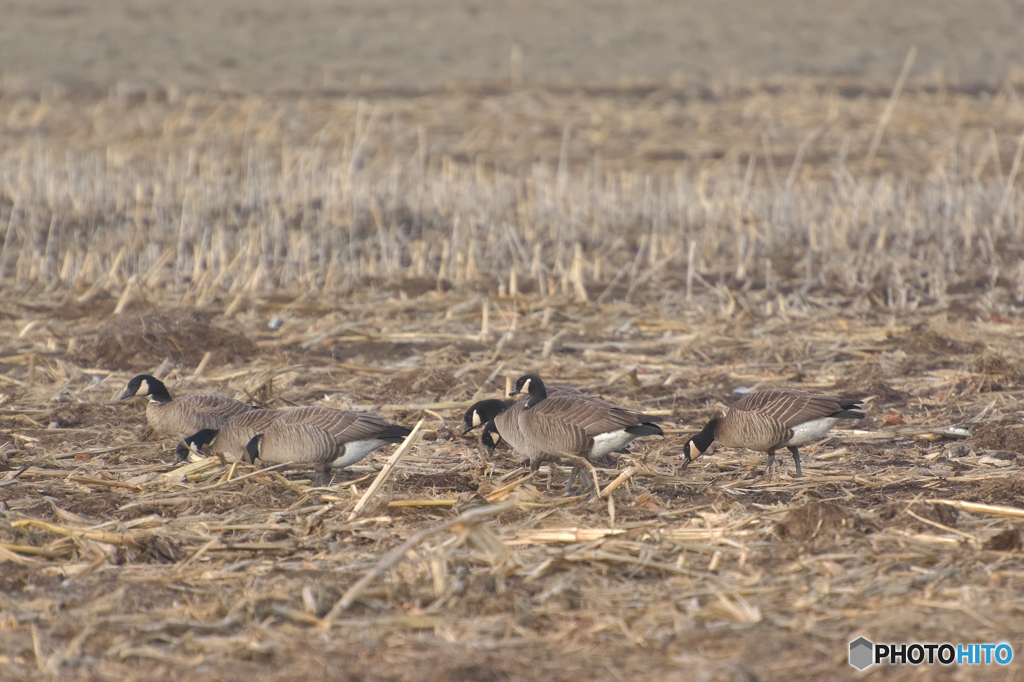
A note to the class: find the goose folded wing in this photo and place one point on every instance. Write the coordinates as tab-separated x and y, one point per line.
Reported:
788	408
214	404
338	423
590	416
300	444
554	433
355	426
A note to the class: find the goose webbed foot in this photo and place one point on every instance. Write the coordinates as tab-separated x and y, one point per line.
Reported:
323	478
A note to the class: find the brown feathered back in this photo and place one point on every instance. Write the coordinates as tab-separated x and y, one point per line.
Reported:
318	435
763	420
191	413
240	429
563	424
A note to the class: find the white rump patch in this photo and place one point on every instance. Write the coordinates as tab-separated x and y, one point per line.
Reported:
808	432
610	442
356	451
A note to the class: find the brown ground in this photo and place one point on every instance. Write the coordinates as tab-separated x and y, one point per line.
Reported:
725	205
715	571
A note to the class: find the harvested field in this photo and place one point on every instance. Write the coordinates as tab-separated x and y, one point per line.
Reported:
666	247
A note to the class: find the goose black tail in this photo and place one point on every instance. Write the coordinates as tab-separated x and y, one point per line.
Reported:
851	407
646	429
394	434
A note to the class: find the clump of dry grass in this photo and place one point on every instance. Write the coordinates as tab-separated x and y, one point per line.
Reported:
137	341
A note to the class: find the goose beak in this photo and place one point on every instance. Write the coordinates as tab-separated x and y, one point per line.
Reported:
127	394
692	453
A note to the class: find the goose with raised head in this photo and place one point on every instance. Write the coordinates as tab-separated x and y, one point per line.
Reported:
178	417
323	438
772	419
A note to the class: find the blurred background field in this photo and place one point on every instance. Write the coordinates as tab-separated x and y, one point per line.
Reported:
397	207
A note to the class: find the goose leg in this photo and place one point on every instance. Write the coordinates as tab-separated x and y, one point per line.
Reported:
589	487
796	458
771	463
323	477
535	467
572	479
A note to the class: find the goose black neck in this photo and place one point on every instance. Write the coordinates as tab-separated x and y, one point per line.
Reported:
252	448
706	437
157	391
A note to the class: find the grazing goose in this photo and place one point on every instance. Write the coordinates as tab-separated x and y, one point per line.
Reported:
323	438
230	439
482	412
182	416
565	424
772	419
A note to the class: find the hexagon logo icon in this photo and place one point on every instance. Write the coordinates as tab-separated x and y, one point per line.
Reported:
862	653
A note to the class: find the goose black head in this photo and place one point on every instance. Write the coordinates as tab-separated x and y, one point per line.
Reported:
145	384
194	443
490	438
253	448
482	412
532	385
700	442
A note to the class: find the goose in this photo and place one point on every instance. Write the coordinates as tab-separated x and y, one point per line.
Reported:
323	438
231	438
563	425
482	412
188	414
774	418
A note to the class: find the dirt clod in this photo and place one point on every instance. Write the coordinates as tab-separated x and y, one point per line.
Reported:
1009	540
814	520
1000	437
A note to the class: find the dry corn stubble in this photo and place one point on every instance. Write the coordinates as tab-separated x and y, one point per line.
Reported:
659	249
